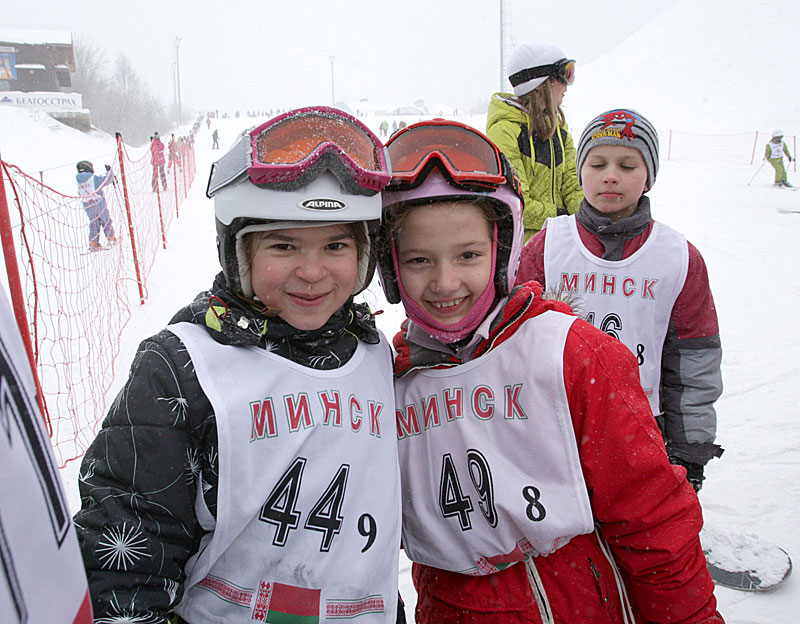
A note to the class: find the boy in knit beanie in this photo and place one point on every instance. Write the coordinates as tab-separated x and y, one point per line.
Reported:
640	281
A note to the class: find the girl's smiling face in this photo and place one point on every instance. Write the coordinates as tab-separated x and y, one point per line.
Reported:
444	258
306	274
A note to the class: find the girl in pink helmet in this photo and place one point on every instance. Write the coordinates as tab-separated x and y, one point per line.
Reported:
536	486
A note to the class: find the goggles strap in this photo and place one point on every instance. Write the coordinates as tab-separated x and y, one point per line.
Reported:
555	70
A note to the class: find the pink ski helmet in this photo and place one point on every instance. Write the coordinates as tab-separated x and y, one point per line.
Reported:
442	160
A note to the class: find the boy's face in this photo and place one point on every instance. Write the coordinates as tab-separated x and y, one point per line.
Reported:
613	178
444	258
306	273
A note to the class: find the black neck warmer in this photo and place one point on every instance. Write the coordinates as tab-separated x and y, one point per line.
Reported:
614	234
234	321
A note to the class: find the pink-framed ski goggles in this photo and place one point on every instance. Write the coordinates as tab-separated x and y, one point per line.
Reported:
292	149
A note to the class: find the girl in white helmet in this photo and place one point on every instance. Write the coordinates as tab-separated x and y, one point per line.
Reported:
529	127
248	469
536	486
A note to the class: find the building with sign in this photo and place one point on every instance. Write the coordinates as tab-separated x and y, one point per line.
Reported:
36	68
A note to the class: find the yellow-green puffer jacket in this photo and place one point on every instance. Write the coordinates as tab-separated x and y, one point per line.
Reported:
545	168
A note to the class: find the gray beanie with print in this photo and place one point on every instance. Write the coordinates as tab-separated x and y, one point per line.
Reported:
625	127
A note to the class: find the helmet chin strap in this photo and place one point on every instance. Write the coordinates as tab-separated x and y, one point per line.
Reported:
456	331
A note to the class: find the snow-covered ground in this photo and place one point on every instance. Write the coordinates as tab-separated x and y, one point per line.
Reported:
747	233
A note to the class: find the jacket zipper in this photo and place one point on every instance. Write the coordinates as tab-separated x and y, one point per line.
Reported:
600	587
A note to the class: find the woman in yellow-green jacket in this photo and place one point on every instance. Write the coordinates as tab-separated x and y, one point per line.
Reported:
530	128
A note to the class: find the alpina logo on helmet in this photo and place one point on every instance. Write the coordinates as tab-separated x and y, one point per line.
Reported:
323	204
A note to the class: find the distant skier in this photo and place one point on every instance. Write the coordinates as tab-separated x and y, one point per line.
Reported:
157	152
215	138
774	152
172	150
91	186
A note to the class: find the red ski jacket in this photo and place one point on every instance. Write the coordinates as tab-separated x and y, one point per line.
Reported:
646	550
157	150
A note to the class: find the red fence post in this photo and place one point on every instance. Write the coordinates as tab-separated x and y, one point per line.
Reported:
130	217
161	215
17	297
183	169
175	184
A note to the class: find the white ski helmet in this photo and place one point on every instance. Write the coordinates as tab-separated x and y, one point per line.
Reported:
309	167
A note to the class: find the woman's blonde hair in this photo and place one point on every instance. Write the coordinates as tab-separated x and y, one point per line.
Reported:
544	114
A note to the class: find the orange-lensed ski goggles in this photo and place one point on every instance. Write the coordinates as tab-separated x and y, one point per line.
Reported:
291	150
562	70
464	155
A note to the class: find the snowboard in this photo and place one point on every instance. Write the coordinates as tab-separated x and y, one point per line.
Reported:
744	561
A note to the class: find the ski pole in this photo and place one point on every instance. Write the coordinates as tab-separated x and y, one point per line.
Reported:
756	173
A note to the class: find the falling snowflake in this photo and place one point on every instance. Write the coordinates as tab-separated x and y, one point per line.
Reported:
121	547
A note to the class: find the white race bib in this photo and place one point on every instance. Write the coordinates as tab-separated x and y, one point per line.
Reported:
491	473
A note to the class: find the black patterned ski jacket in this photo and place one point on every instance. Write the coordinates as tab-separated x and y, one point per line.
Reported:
157	450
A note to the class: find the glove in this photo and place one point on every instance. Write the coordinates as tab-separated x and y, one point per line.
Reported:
108	168
694	472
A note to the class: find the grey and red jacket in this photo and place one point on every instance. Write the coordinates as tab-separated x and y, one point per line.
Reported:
691	380
646	512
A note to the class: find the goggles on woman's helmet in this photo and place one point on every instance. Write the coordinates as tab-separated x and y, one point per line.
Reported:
465	156
442	160
562	70
291	150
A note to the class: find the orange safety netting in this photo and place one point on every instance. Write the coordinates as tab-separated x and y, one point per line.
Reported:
78	300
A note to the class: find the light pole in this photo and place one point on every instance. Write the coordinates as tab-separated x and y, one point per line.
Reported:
333	99
178	74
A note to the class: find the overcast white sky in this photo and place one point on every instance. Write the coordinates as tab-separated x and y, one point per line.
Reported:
267	53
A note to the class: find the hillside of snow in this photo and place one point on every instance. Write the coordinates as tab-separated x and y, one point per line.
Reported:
704	66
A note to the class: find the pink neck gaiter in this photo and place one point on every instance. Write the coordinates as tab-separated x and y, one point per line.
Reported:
456	331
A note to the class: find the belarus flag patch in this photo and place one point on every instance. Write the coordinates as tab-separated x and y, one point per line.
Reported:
277	603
